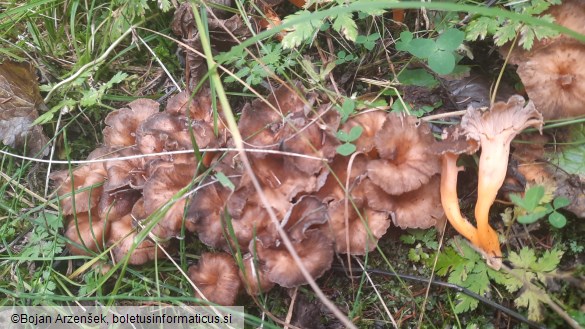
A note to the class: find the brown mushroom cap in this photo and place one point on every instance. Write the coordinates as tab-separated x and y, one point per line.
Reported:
261	122
86	184
81	191
86	233
197	107
311	136
570	14
122	123
363	232
371	122
206	211
166	181
334	187
122	238
420	208
164	132
315	251
407	161
125	173
254	277
216	276
115	205
503	119
554	79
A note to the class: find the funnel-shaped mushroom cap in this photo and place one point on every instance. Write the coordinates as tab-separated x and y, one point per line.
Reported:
420	208
206	211
122	238
502	122
165	132
262	122
197	107
253	277
216	276
495	130
308	212
125	173
86	233
407	161
363	230
115	205
122	123
315	251
311	136
85	185
554	79
371	122
166	181
334	187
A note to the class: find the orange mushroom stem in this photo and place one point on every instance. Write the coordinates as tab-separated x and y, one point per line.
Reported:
450	201
495	129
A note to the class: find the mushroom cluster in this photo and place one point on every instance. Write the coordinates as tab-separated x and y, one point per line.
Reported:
493	131
325	203
553	71
105	200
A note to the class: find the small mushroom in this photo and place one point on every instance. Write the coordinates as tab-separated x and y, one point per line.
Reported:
494	130
82	191
554	79
406	159
87	233
253	277
552	71
166	181
217	278
123	237
363	229
305	227
122	123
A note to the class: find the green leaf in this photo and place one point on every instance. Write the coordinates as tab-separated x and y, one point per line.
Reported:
532	299
346	149
346	109
505	34
422	48
345	25
355	133
300	32
398	106
408	238
561	202
442	62
524	259
571	158
117	78
450	40
224	181
417	77
404	43
549	261
557	220
532	217
481	27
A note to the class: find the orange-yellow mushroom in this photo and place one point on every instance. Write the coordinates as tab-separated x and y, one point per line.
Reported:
494	130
